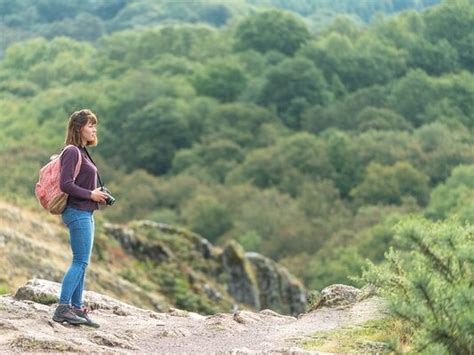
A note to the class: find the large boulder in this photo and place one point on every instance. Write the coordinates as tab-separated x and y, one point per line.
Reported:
339	295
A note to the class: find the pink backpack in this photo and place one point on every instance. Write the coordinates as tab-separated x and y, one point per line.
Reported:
47	188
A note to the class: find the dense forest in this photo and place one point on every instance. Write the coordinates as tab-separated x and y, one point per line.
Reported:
89	20
305	130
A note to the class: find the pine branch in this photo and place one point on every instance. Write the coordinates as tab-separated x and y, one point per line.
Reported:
428	300
438	263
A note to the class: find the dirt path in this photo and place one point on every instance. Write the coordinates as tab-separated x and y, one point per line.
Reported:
27	326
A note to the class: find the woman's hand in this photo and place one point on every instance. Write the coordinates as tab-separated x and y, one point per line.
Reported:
98	196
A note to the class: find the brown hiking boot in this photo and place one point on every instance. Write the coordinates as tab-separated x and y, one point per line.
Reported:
82	312
64	313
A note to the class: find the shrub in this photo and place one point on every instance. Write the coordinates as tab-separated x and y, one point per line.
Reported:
428	281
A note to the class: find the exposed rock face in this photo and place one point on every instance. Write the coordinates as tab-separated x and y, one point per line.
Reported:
250	278
241	281
138	246
279	290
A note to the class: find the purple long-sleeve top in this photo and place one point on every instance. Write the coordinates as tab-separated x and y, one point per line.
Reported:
79	189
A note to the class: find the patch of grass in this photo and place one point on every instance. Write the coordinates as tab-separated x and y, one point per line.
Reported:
4	290
47	299
379	336
30	343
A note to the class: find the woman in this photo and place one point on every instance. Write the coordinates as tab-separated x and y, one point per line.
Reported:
84	198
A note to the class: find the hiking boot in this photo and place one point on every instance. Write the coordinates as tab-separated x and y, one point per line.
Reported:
82	312
64	313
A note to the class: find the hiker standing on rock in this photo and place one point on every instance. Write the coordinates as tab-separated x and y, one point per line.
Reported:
84	198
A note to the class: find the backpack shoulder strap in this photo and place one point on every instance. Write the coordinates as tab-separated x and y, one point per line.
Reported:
79	160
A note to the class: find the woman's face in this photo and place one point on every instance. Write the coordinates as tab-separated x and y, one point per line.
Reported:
88	132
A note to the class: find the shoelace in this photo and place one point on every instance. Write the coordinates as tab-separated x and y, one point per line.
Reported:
82	310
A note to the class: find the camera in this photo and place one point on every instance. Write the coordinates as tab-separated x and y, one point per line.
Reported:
110	199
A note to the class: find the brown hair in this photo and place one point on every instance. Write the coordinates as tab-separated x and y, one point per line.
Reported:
76	121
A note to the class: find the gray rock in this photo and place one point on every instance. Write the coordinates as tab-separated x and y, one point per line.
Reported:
337	296
136	246
241	281
47	292
278	289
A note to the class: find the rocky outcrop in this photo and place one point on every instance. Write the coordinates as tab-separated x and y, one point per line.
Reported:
250	279
278	289
241	281
26	326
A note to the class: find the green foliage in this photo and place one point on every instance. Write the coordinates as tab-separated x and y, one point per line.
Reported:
285	164
271	30
381	119
137	193
292	80
389	184
334	265
60	61
215	160
429	283
444	148
455	196
422	99
251	241
370	337
160	122
206	216
239	122
220	79
453	21
178	288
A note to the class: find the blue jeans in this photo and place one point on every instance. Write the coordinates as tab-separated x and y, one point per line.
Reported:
81	233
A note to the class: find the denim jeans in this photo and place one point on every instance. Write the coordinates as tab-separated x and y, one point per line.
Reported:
81	236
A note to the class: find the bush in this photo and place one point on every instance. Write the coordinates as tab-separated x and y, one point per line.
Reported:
428	281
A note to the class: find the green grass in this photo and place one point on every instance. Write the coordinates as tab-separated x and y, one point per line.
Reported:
4	290
379	336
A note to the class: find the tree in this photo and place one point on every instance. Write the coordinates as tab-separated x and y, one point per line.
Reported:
220	79
285	165
444	148
427	278
381	119
455	196
271	30
154	134
412	94
214	159
295	78
341	113
453	21
207	216
388	184
238	122
344	159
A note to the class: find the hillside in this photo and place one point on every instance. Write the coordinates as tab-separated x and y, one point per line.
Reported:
148	264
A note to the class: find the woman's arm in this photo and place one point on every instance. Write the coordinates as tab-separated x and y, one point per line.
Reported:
69	160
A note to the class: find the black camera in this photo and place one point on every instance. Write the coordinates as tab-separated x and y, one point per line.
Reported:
110	199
